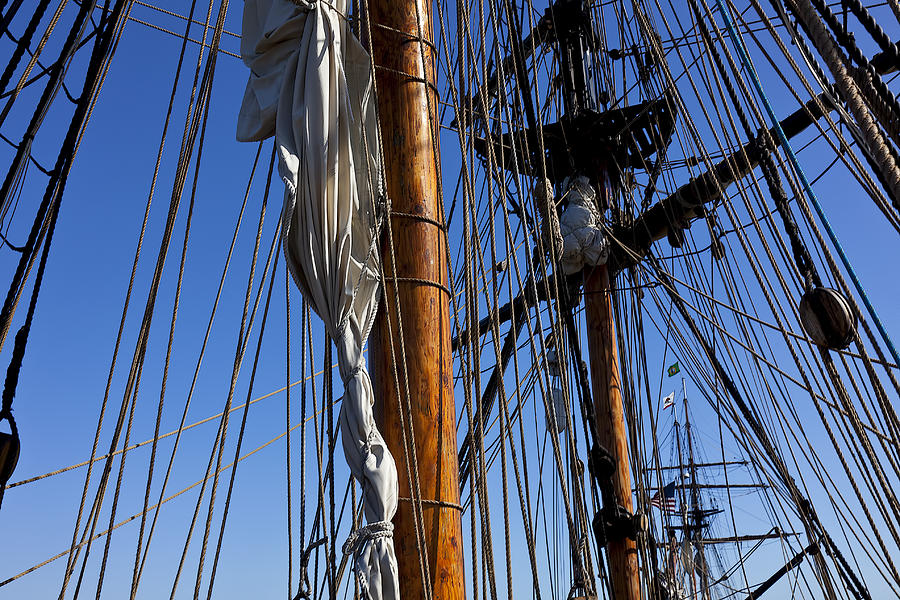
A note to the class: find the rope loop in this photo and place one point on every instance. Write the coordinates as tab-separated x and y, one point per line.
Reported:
305	590
372	531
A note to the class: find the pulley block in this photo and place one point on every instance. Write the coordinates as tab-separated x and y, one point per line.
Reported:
827	318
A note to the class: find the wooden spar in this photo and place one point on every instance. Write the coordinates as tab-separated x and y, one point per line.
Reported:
763	588
610	420
686	203
684	206
703	465
412	367
772	535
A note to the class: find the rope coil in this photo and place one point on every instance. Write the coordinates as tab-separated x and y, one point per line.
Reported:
370	532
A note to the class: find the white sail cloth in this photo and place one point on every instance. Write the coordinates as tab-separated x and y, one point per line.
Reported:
583	242
310	85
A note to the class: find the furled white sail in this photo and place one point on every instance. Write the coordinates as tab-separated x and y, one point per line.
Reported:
310	86
583	241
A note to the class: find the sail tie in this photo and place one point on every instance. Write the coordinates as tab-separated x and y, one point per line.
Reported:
356	544
372	531
353	373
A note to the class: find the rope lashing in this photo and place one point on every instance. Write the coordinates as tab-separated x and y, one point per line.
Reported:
372	531
353	373
357	540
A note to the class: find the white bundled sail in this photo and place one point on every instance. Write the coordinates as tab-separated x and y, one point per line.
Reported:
310	86
583	241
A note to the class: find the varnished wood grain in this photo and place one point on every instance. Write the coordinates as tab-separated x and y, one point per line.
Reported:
409	141
609	412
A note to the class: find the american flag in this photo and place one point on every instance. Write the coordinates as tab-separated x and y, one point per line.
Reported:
664	499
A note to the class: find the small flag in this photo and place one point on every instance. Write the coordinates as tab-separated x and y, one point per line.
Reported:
669	401
664	499
674	370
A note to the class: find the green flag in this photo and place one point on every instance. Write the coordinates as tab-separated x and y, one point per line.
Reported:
674	370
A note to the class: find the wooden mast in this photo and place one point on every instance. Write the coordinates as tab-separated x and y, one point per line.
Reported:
411	356
606	381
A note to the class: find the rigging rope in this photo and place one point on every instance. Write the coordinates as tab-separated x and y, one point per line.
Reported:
63	162
886	161
785	143
50	211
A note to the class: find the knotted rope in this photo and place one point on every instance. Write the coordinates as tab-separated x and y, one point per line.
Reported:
358	539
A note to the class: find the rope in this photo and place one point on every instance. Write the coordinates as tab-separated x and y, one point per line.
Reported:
248	317
850	91
189	19
436	503
181	428
126	305
287	427
63	162
23	43
785	143
192	123
50	204
372	531
359	538
802	258
305	590
237	452
35	54
155	506
803	505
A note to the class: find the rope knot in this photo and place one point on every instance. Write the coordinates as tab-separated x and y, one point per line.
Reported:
367	445
352	373
372	531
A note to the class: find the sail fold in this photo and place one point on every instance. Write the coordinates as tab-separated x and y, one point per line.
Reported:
310	86
580	225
